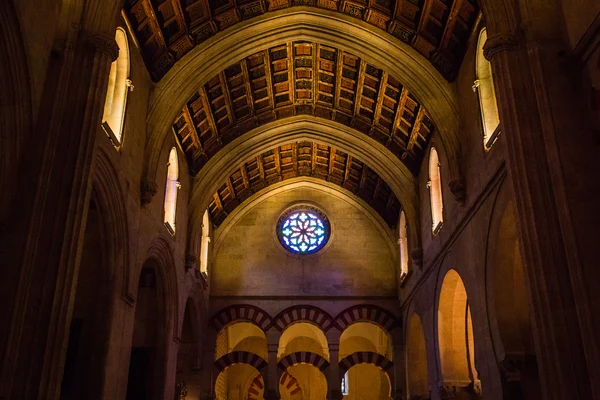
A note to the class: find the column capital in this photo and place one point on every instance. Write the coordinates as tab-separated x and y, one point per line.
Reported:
508	41
148	189
101	42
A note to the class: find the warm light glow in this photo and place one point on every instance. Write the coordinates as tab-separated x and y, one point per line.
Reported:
171	190
116	94
205	243
435	192
486	93
403	242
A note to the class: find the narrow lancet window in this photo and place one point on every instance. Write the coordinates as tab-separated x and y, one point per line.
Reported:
116	94
173	186
484	86
435	192
403	242
205	243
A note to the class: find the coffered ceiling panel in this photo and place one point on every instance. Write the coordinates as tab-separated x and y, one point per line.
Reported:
300	78
304	159
168	29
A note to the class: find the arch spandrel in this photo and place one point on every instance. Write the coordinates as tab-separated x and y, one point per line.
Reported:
301	24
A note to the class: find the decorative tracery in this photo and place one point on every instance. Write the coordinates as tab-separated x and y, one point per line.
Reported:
303	230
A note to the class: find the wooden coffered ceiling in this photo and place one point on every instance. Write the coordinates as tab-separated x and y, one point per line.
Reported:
302	78
168	29
305	159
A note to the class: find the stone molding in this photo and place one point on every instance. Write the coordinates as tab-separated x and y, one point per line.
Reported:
498	43
101	42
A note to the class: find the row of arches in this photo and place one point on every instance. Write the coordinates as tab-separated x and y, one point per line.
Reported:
443	348
364	355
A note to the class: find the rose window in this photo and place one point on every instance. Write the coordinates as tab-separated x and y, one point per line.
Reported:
303	230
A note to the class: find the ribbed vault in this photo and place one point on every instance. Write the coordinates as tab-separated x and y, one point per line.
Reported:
303	78
304	159
168	29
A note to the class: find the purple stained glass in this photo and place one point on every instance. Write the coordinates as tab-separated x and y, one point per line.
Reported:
303	231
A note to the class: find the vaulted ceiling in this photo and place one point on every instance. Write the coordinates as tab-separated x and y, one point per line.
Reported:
168	29
304	159
300	78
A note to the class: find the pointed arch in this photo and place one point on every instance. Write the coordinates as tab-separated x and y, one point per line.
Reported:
117	90
172	186
435	192
484	85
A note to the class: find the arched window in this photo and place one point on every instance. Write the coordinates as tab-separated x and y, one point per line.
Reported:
116	94
484	85
171	190
435	192
403	242
205	242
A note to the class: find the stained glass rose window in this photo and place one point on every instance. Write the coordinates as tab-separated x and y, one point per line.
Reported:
303	230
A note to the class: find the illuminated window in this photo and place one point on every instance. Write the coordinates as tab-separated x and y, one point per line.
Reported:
345	384
303	230
171	190
205	242
435	192
403	242
116	94
484	86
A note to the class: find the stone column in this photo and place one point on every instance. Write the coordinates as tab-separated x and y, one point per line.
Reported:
272	372
551	154
334	375
209	372
398	372
41	251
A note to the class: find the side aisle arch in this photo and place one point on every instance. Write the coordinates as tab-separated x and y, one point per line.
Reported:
240	357
367	313
310	314
303	357
239	313
366	357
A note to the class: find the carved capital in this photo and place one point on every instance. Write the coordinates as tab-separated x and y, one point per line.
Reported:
499	43
457	187
103	43
148	188
511	367
190	261
417	257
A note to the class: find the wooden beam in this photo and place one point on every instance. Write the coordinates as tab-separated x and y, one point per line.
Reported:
313	158
291	72
261	167
399	111
269	77
315	73
153	21
209	114
379	104
247	83
414	133
338	78
230	187
187	115
218	201
347	170
277	153
245	178
228	102
363	177
377	188
450	23
295	156
331	161
360	82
